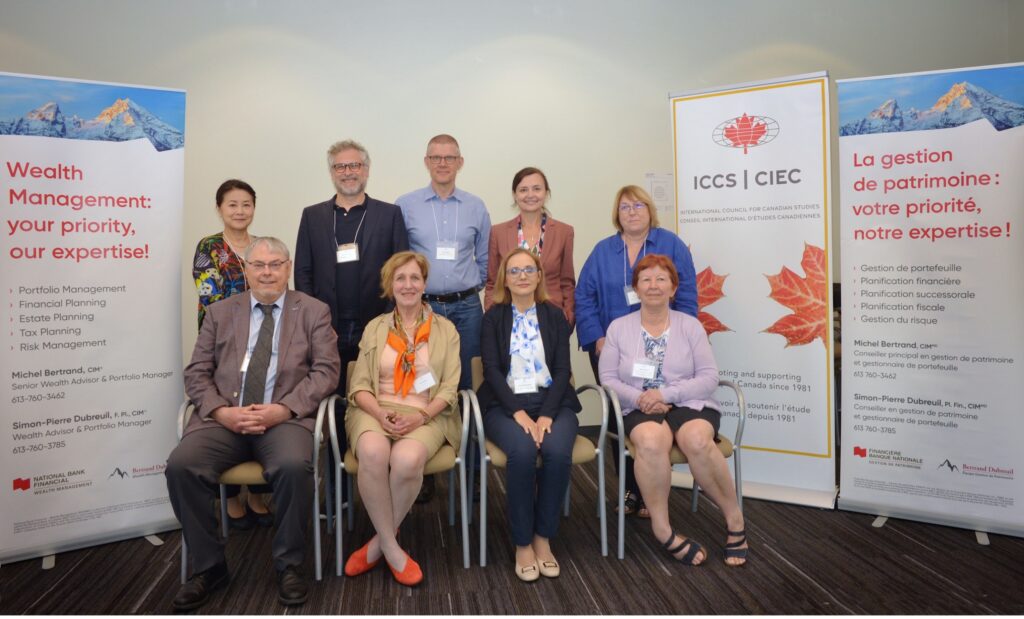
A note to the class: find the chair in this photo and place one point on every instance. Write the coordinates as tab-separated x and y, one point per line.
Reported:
251	473
583	451
446	459
677	457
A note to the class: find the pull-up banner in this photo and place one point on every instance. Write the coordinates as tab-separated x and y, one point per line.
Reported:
752	190
933	248
91	182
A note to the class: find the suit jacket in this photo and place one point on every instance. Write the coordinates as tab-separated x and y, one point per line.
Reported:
307	358
383	235
495	341
445	364
556	260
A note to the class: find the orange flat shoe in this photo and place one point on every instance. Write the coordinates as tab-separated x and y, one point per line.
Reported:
411	576
357	563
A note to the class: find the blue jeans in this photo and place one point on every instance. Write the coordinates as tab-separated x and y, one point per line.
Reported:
466	315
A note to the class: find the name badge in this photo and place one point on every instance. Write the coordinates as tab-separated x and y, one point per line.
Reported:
446	251
245	362
632	298
645	369
423	382
349	252
524	384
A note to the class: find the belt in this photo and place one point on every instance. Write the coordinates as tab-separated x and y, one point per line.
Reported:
451	298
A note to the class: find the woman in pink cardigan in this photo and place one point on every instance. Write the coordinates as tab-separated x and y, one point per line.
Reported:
659	364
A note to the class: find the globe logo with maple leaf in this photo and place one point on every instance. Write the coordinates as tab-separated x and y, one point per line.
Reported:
746	132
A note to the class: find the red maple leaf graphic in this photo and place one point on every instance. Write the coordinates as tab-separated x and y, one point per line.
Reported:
805	296
745	132
709	290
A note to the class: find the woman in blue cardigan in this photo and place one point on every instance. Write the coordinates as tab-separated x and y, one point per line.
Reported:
604	291
529	407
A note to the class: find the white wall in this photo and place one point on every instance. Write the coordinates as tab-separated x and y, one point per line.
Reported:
575	87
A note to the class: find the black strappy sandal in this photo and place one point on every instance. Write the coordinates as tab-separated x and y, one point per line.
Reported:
693	549
630	503
733	550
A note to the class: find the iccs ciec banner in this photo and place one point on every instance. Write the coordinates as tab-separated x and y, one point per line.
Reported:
91	181
933	253
752	189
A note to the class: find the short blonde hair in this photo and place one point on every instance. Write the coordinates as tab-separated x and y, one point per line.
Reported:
395	262
637	193
501	291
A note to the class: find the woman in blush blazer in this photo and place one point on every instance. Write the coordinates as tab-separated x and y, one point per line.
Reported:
536	230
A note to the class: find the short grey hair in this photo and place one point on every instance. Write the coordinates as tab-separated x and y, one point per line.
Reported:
337	147
275	245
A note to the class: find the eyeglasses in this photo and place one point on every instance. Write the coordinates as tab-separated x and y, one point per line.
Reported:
274	266
436	159
636	207
517	271
341	167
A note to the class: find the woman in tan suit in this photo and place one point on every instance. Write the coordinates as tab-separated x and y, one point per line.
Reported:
536	230
402	409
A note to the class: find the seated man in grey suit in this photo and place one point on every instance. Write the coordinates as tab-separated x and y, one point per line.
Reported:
263	361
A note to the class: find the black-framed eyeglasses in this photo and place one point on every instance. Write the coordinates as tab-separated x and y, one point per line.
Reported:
273	266
355	166
517	271
436	159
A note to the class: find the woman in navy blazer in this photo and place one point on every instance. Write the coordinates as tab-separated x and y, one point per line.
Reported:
529	407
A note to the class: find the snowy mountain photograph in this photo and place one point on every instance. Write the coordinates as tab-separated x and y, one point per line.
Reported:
933	101
91	111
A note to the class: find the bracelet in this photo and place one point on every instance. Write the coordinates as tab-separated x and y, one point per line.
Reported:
426	417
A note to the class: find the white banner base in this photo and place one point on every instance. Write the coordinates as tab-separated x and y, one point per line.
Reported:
824	499
150	528
959	521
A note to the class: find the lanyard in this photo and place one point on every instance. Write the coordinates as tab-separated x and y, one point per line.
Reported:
540	240
625	259
437	229
354	238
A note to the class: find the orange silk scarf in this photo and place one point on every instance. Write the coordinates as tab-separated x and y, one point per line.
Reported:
405	363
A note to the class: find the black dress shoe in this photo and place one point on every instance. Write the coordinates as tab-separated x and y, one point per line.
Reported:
265	519
197	590
292	588
427	490
242	523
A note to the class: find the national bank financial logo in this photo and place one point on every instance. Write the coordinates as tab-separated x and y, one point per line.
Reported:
887	457
21	483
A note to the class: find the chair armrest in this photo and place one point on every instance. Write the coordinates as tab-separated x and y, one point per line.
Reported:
470	412
478	420
603	434
742	403
184	414
332	426
318	428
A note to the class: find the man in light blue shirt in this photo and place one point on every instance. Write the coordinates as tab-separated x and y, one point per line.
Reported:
451	228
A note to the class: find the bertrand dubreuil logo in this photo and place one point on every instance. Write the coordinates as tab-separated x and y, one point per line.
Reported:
117	471
745	132
949	465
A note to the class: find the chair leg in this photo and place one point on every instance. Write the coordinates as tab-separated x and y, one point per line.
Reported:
339	560
622	512
465	511
224	511
696	496
602	506
184	558
471	472
351	504
329	506
483	512
317	552
451	498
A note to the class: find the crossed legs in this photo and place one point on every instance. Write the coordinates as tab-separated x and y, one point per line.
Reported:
390	475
